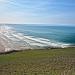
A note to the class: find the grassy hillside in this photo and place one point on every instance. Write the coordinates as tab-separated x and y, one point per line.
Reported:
39	62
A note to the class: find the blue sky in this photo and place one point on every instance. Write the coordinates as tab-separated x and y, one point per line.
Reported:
37	11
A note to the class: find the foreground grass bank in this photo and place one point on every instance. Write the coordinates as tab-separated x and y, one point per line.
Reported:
39	62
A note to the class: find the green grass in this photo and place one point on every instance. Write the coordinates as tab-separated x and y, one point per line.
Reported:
39	62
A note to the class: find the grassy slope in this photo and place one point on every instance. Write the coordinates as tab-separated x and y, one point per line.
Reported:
39	62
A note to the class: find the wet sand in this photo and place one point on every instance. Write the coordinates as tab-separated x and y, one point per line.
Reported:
2	49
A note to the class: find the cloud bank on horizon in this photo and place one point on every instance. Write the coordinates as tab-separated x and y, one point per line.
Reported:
37	11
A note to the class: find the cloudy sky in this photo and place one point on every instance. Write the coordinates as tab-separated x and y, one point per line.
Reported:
37	11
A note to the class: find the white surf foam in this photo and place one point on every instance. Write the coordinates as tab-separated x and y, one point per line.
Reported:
13	40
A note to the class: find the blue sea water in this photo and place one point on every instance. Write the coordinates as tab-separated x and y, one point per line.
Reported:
36	36
63	34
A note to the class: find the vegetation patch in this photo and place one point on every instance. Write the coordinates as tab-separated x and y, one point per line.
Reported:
39	62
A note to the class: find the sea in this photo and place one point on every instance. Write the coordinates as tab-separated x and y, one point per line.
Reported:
65	34
40	33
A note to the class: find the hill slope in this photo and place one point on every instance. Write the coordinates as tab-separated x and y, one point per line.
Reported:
39	62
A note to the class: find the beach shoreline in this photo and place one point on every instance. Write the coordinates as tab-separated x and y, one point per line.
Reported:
44	48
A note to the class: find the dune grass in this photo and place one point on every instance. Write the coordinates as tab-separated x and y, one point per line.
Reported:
39	62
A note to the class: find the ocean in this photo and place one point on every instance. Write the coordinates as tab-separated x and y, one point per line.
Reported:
65	34
39	35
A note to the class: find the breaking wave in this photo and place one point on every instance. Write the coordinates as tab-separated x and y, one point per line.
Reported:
10	40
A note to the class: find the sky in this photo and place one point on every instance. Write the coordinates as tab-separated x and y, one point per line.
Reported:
37	11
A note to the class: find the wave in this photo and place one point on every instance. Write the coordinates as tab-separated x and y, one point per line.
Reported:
13	40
